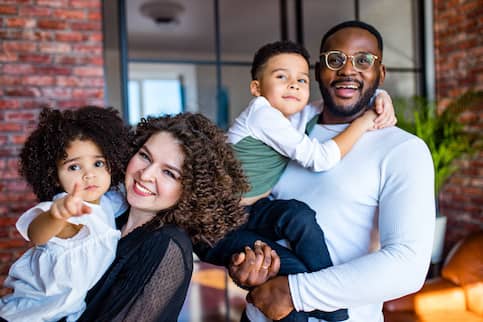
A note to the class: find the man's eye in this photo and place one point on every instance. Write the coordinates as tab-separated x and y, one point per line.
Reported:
73	167
99	164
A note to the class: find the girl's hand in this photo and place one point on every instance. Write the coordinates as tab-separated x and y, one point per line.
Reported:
385	110
70	205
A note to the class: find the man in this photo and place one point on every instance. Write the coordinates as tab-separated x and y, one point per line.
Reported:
376	207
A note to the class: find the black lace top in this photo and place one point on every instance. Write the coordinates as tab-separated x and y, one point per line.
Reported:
148	279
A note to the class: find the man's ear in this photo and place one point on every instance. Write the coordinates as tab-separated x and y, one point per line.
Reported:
382	74
317	71
255	88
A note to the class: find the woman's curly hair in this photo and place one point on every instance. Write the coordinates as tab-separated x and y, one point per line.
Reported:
57	129
212	178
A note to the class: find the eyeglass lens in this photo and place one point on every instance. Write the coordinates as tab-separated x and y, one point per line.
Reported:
361	61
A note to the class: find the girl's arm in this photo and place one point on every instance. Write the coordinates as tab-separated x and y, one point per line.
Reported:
54	221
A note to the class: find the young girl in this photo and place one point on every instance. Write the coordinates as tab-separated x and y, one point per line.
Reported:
71	160
183	185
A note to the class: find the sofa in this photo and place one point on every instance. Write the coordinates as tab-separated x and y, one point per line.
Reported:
454	296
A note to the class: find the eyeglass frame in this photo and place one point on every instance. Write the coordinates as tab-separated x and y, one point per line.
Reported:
352	57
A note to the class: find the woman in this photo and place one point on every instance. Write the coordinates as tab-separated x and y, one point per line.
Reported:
183	185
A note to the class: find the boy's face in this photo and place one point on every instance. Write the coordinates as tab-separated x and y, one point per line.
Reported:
284	82
85	166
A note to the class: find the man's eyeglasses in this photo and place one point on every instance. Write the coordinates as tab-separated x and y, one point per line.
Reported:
335	60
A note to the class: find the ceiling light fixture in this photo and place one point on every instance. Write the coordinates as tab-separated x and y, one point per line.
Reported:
162	13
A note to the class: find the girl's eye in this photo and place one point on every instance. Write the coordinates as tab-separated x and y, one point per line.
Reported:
99	164
281	76
303	81
73	167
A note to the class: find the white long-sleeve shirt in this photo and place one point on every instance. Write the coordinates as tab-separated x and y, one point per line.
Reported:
376	208
270	129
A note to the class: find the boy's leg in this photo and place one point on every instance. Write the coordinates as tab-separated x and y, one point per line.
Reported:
235	242
295	221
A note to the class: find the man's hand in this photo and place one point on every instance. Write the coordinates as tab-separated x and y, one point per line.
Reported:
273	298
254	267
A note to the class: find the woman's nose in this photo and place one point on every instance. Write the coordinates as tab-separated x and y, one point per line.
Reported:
147	173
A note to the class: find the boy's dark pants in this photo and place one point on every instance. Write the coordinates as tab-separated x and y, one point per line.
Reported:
272	220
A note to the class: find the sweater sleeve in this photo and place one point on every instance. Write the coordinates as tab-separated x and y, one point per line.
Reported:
268	125
406	227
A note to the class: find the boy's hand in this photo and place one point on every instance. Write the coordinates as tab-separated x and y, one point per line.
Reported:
384	108
70	205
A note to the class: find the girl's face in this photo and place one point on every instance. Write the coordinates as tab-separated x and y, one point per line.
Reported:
153	175
85	166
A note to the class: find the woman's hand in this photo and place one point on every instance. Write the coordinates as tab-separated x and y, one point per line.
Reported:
254	267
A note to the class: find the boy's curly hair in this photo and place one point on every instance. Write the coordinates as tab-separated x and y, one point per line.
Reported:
270	50
57	129
212	178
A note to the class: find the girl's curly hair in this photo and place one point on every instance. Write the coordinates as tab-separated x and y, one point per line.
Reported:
57	129
212	178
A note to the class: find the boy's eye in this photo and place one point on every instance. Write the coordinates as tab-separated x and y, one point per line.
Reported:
99	164
73	167
281	76
303	81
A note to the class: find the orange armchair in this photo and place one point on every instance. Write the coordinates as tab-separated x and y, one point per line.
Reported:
455	296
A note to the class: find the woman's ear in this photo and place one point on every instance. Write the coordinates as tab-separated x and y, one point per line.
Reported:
255	88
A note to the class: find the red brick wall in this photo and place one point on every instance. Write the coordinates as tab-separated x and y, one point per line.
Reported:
458	31
51	53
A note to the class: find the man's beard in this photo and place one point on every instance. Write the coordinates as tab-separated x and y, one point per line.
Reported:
339	110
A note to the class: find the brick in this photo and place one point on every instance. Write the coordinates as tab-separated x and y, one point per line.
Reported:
53	3
53	70
20	22
18	69
8	10
54	48
85	4
17	46
88	71
10	80
77	14
38	80
8	104
88	93
22	92
35	58
6	57
85	26
35	11
70	36
52	24
58	93
20	116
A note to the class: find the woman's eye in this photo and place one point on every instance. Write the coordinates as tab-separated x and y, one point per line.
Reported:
143	155
73	167
99	164
170	174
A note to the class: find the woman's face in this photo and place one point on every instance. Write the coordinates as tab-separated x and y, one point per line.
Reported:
153	175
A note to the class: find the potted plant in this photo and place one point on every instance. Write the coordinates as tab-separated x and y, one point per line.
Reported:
447	138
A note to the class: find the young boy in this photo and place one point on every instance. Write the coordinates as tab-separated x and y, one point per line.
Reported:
264	140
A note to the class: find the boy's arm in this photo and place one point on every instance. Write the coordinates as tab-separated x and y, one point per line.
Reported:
346	140
54	221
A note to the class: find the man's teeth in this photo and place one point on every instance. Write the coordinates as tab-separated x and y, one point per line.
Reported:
144	190
346	86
